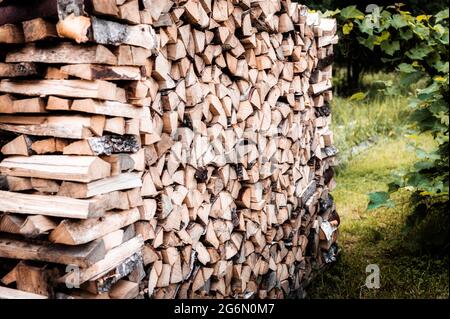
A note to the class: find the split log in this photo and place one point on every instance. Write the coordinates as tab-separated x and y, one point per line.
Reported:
66	53
70	88
82	255
80	232
60	167
57	206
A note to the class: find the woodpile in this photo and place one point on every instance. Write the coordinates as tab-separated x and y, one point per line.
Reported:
170	148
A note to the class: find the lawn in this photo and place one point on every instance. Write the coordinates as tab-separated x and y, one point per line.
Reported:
374	139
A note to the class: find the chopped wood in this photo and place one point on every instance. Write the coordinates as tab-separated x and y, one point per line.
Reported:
102	186
10	33
66	53
60	167
50	205
70	88
12	70
38	29
10	293
80	232
101	72
82	255
109	32
199	127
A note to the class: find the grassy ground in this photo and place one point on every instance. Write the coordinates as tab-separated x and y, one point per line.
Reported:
376	237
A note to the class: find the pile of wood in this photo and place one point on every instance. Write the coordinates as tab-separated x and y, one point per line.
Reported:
170	148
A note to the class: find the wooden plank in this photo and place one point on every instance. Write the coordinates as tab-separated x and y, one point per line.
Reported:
80	232
61	167
66	53
113	258
81	255
39	130
110	108
101	72
76	127
57	206
102	186
69	88
10	293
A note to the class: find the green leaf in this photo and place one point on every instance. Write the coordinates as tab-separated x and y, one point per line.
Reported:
390	47
406	34
399	21
359	96
347	28
441	66
379	199
406	68
441	15
421	31
329	13
419	52
385	35
366	25
352	12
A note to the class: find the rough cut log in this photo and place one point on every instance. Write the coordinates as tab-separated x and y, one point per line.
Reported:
57	206
112	259
66	53
10	293
57	126
60	167
71	88
215	134
99	72
110	108
10	33
102	186
80	232
74	27
108	32
12	183
82	255
12	70
21	145
38	29
28	226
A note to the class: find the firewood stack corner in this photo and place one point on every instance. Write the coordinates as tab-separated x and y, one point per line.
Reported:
165	148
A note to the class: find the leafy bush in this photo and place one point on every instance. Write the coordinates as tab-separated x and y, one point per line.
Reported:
417	47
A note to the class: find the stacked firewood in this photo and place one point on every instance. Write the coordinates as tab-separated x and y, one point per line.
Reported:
76	90
189	140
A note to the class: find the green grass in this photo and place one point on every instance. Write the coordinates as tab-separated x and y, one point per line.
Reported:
378	236
356	122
